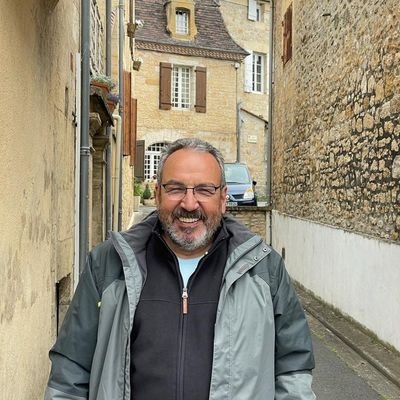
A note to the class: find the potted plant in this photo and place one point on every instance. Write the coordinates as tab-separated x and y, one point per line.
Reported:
146	194
104	82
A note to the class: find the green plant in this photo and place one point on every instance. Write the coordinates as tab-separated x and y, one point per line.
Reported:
103	80
137	188
146	193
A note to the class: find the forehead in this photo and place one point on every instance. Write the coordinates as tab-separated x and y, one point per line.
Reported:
190	166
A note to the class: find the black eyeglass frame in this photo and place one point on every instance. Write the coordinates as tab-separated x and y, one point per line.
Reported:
186	188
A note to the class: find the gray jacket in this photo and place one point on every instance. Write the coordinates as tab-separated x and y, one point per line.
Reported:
262	344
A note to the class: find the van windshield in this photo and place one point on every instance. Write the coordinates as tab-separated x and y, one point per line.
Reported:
236	173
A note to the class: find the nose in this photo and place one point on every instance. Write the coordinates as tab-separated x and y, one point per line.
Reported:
189	202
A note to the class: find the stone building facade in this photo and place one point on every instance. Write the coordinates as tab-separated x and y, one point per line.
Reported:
248	22
336	157
204	58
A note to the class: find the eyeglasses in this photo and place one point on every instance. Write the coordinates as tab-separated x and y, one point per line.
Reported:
200	192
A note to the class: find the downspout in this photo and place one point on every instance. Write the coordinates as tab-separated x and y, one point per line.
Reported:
270	111
117	171
108	148
121	103
238	105
85	145
238	133
131	24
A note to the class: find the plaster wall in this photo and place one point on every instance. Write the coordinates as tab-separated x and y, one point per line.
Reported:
38	43
357	274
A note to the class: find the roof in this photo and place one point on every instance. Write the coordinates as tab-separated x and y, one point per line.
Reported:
212	39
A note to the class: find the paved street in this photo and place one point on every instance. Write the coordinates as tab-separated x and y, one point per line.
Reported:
342	374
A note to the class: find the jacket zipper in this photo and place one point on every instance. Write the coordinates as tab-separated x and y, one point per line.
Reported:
185	301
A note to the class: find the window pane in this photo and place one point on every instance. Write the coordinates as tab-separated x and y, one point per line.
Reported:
181	87
181	22
257	72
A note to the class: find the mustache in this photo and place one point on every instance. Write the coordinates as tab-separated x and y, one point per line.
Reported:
182	213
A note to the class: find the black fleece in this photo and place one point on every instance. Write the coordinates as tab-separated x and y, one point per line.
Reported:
172	352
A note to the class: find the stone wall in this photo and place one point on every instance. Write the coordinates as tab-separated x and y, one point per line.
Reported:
255	218
336	126
217	125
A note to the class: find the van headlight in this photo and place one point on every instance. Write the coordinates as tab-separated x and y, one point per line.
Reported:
248	194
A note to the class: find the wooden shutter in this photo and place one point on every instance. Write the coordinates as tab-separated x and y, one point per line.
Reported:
139	160
165	86
127	114
133	131
201	89
287	35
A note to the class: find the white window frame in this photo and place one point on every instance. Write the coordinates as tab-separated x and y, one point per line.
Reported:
181	87
258	72
182	21
151	159
259	12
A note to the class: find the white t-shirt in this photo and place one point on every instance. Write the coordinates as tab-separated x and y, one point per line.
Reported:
187	266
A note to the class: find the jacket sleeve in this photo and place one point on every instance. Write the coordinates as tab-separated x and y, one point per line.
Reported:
294	358
72	354
295	386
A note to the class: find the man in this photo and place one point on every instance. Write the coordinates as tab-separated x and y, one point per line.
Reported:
187	305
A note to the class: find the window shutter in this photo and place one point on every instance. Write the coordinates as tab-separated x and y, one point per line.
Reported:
252	10
201	89
133	130
248	72
287	35
127	114
139	160
165	86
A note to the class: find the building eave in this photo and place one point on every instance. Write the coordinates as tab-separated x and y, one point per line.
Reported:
191	51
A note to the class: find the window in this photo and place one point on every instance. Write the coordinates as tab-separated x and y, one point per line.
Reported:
182	22
259	12
258	73
181	87
152	159
254	69
287	35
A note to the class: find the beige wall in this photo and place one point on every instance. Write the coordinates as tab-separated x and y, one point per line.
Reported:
252	36
217	125
38	43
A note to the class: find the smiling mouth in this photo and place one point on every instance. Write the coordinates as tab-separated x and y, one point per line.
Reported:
188	220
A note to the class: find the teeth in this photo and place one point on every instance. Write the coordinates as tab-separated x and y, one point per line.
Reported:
188	220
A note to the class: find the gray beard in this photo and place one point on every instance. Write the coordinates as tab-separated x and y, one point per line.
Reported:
185	244
178	236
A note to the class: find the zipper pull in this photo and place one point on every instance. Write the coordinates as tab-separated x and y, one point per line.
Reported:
185	301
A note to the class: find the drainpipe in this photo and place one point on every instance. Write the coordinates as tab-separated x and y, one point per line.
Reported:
270	111
121	103
238	127
117	171
108	148
131	23
85	145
